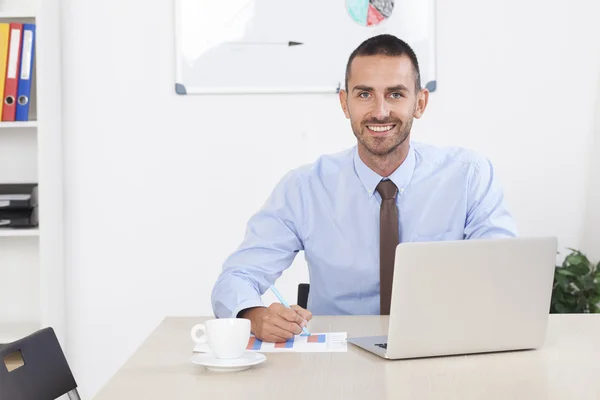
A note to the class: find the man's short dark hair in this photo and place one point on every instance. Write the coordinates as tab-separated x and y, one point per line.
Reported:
386	45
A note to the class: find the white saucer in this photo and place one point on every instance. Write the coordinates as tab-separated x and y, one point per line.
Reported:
212	363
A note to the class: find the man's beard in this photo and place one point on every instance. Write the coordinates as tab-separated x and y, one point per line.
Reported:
382	146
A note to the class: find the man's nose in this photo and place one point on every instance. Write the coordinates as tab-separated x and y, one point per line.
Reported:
382	109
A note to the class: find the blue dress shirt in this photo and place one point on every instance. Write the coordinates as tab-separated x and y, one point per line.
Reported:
330	210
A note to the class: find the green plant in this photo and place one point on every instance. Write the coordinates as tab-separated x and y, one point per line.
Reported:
576	286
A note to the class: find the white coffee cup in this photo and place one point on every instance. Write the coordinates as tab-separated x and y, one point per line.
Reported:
226	337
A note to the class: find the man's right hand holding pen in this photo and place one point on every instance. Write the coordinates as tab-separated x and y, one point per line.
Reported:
277	323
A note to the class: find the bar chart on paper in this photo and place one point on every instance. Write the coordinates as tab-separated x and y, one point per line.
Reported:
314	343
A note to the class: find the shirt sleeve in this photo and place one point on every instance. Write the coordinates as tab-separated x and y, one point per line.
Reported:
487	213
270	244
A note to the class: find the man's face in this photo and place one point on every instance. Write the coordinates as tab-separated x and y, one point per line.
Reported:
381	102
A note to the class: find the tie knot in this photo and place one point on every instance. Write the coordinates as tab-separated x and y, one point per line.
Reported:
387	189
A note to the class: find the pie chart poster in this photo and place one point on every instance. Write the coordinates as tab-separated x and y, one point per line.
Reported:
287	46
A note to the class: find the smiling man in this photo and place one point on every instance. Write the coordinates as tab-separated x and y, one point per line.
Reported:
348	211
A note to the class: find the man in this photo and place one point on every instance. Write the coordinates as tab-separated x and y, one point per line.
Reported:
333	209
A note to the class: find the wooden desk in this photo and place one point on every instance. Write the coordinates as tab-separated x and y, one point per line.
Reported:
568	367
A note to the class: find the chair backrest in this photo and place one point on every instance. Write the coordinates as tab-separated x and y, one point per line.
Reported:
44	374
303	290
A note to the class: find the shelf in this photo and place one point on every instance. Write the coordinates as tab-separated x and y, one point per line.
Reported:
16	14
23	232
32	270
19	124
9	332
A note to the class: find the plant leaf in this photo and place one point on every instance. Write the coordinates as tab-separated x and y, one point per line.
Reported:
574	259
595	300
579	269
589	285
577	284
562	281
565	272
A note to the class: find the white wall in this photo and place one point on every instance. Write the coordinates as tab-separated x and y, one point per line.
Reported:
591	232
150	177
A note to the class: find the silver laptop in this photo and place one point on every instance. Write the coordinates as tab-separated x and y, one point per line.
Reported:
468	296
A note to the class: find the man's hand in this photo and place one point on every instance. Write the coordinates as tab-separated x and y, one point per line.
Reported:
277	323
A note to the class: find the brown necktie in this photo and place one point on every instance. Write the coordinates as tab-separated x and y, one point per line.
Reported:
388	240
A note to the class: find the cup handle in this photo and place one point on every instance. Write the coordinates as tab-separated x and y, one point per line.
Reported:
195	329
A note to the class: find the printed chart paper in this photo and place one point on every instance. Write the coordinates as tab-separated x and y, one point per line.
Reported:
314	343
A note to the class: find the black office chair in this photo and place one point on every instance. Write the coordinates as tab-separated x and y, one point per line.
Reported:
42	371
303	290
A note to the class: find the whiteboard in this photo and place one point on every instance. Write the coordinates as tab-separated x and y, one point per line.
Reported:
289	46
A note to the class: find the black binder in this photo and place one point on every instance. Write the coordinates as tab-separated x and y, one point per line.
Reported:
19	205
19	218
18	196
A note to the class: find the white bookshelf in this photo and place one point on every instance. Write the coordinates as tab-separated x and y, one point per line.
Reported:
18	124
25	12
7	232
31	260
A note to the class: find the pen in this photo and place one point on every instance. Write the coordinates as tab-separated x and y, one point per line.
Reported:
285	303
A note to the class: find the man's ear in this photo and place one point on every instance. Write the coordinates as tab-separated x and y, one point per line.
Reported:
421	105
344	102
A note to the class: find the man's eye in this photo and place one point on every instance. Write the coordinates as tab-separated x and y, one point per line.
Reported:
396	95
364	95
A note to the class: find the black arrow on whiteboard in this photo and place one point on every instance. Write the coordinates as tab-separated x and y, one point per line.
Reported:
289	44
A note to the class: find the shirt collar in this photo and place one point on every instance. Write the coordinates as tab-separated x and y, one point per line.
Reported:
401	176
